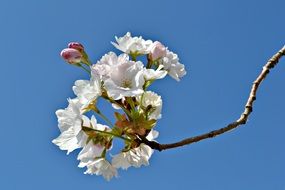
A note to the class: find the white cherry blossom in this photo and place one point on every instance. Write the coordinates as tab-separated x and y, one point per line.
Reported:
91	155
103	67
100	166
69	123
126	80
87	90
67	140
154	101
89	152
69	116
151	74
135	157
171	64
129	44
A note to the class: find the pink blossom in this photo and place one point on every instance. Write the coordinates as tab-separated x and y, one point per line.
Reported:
157	50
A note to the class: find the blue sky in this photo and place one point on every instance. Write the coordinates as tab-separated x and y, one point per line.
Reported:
223	44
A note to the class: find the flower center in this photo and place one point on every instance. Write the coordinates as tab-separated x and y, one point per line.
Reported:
126	83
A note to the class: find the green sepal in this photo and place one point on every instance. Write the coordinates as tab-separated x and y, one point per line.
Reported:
147	84
117	131
147	124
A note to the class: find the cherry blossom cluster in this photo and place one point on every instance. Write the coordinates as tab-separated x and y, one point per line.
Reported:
121	80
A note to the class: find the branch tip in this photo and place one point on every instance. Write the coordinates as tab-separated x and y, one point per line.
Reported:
241	121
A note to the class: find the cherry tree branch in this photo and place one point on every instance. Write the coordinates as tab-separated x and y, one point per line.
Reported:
242	119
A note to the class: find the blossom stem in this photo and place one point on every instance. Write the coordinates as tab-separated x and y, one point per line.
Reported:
118	104
96	110
105	118
103	155
131	102
85	69
86	59
133	56
86	129
149	63
141	101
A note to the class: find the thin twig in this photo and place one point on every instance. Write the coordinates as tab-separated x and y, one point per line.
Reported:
241	121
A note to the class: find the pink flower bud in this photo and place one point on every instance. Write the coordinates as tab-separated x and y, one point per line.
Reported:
71	55
157	50
76	45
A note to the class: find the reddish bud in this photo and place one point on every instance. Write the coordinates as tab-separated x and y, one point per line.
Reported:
76	45
70	55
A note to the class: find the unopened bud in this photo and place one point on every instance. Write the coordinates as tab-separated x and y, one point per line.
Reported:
76	45
157	50
70	55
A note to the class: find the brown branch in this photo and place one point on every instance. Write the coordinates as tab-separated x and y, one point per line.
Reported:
241	121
